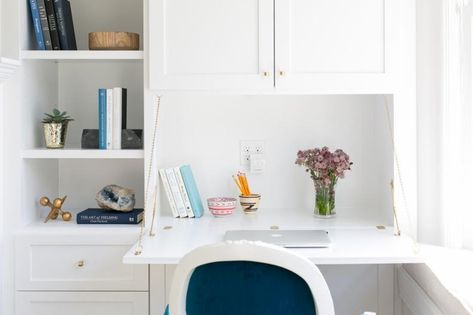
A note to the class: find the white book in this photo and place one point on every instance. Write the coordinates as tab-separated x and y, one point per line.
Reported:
184	195
176	194
167	189
117	118
109	119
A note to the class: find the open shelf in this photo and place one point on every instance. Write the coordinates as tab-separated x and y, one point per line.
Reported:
81	55
81	154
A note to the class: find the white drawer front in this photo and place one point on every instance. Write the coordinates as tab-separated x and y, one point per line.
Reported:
80	303
41	265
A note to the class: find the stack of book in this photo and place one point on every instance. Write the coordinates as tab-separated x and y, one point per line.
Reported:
181	191
112	117
52	24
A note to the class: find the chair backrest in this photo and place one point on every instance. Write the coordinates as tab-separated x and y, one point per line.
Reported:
248	278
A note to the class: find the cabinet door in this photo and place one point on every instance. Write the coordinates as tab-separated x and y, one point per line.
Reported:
211	44
80	303
336	46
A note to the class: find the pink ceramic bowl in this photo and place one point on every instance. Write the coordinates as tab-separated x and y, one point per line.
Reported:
221	206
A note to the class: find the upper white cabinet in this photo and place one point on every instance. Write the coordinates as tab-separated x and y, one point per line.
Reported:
211	44
274	45
335	45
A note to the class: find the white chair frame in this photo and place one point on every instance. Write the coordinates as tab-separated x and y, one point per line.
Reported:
249	251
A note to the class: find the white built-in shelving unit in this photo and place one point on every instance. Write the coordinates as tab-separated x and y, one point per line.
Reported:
69	80
261	50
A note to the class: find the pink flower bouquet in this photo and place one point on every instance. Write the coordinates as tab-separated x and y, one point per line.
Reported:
325	168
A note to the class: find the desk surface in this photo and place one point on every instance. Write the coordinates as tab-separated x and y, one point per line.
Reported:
354	241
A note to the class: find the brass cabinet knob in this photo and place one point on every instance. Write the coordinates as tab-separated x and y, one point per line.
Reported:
281	73
80	263
265	74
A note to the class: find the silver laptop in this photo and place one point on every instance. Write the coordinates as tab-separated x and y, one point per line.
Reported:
284	238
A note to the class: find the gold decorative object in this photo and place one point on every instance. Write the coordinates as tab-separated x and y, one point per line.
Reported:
55	128
55	134
56	210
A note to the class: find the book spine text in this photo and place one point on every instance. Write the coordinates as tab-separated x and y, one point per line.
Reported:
109	119
117	118
102	119
37	25
43	17
52	25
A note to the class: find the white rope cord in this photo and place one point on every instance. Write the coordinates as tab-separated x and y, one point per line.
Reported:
398	171
139	247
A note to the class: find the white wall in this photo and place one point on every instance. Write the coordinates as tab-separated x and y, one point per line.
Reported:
429	106
9	25
205	131
2	252
2	185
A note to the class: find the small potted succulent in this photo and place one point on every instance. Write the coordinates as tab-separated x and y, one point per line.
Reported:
55	128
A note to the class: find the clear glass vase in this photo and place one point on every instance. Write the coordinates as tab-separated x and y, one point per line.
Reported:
324	201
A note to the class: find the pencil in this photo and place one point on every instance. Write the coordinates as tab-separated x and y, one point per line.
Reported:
242	184
238	185
245	180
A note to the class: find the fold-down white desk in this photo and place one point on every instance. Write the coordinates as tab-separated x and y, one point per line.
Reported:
354	241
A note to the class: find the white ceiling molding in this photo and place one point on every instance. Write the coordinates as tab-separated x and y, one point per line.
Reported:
7	68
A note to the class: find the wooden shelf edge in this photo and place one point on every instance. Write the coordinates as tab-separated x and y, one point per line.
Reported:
81	154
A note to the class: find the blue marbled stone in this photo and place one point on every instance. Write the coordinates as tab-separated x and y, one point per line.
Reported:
116	198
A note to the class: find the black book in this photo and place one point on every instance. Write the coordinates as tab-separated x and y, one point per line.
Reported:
43	17
52	25
124	105
62	8
102	216
70	27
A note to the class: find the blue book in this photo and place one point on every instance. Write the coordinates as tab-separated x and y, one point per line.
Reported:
38	31
103	216
192	191
102	119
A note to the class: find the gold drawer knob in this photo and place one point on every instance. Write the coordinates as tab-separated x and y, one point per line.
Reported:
80	263
281	73
265	74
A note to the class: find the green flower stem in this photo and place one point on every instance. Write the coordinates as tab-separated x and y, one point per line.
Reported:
325	200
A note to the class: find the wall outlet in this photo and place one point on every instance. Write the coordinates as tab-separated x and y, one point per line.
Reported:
249	147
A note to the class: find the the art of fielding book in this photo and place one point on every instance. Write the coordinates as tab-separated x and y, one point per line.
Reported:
102	216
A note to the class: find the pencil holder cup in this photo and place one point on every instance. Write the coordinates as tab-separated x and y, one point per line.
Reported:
250	203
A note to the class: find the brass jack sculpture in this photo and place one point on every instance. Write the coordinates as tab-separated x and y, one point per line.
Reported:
55	209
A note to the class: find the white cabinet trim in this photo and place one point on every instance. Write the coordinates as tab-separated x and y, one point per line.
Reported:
7	68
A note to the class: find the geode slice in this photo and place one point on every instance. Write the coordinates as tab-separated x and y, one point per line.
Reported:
116	198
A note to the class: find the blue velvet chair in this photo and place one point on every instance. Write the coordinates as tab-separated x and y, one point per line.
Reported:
248	278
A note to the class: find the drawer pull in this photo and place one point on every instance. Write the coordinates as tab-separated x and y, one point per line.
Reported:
80	263
265	74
